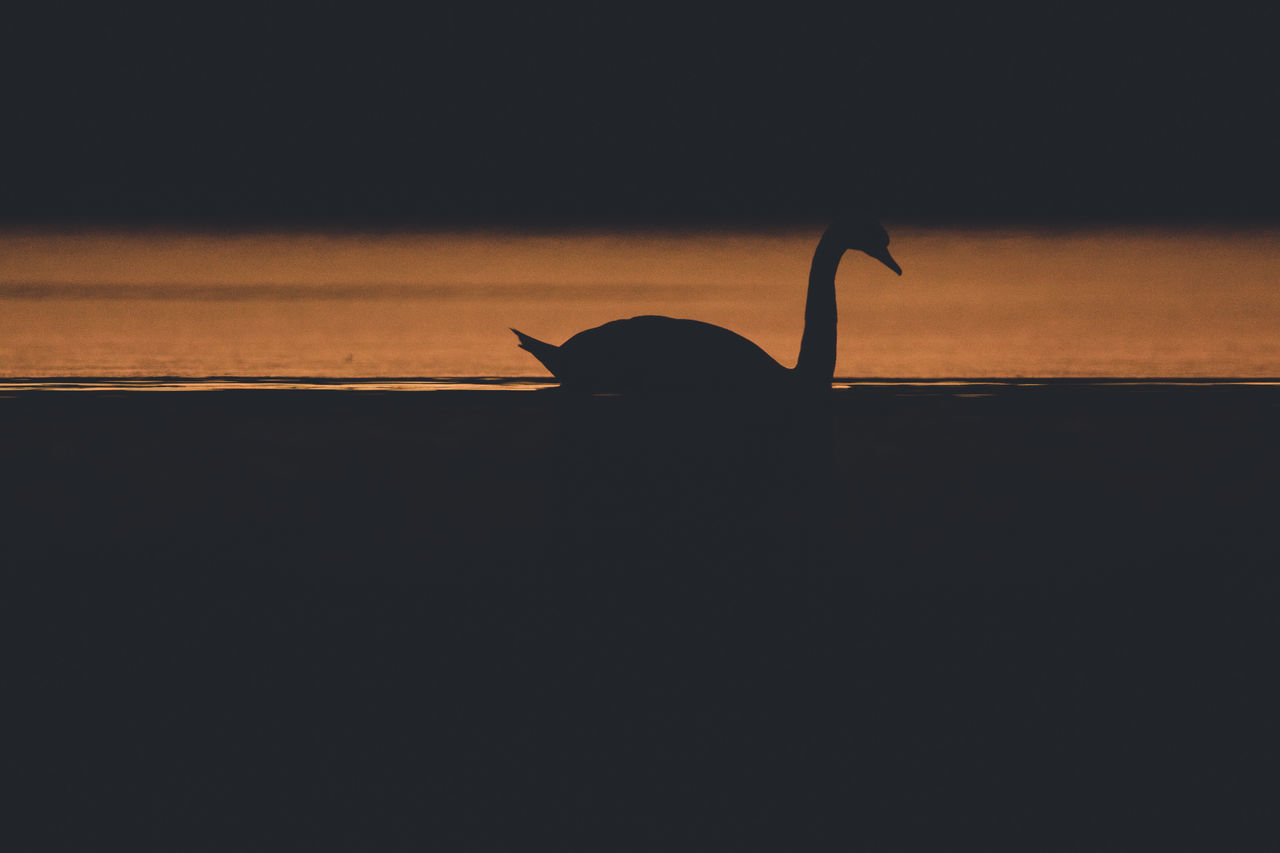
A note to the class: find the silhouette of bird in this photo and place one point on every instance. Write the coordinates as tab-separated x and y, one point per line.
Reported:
662	353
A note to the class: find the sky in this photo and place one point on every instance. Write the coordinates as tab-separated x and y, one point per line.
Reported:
207	115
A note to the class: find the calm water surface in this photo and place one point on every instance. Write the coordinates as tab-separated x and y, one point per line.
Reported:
1011	303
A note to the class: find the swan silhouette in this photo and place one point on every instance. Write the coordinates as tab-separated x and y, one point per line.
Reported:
662	353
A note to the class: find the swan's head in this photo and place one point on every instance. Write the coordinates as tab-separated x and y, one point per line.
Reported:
865	235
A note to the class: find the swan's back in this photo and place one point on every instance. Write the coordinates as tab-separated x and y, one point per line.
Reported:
660	352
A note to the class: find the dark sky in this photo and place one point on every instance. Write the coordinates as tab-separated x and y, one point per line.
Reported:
348	116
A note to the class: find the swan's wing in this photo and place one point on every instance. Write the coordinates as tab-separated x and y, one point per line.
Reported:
662	351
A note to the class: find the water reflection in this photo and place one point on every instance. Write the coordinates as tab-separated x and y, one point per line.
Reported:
960	388
267	383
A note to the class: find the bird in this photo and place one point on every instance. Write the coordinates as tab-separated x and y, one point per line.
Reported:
652	353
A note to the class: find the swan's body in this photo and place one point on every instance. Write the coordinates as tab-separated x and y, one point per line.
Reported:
652	353
622	355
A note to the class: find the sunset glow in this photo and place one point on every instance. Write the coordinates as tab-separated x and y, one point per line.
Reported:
970	303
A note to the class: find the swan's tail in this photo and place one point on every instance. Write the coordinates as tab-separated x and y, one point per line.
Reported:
548	354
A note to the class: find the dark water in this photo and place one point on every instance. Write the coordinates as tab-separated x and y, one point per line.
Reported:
999	616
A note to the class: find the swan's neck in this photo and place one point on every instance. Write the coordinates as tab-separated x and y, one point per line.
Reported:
818	346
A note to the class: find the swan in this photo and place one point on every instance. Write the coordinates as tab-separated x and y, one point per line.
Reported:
662	353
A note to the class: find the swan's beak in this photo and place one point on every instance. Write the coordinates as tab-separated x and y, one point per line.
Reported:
882	255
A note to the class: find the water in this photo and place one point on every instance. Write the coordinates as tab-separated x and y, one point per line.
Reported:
971	303
389	616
